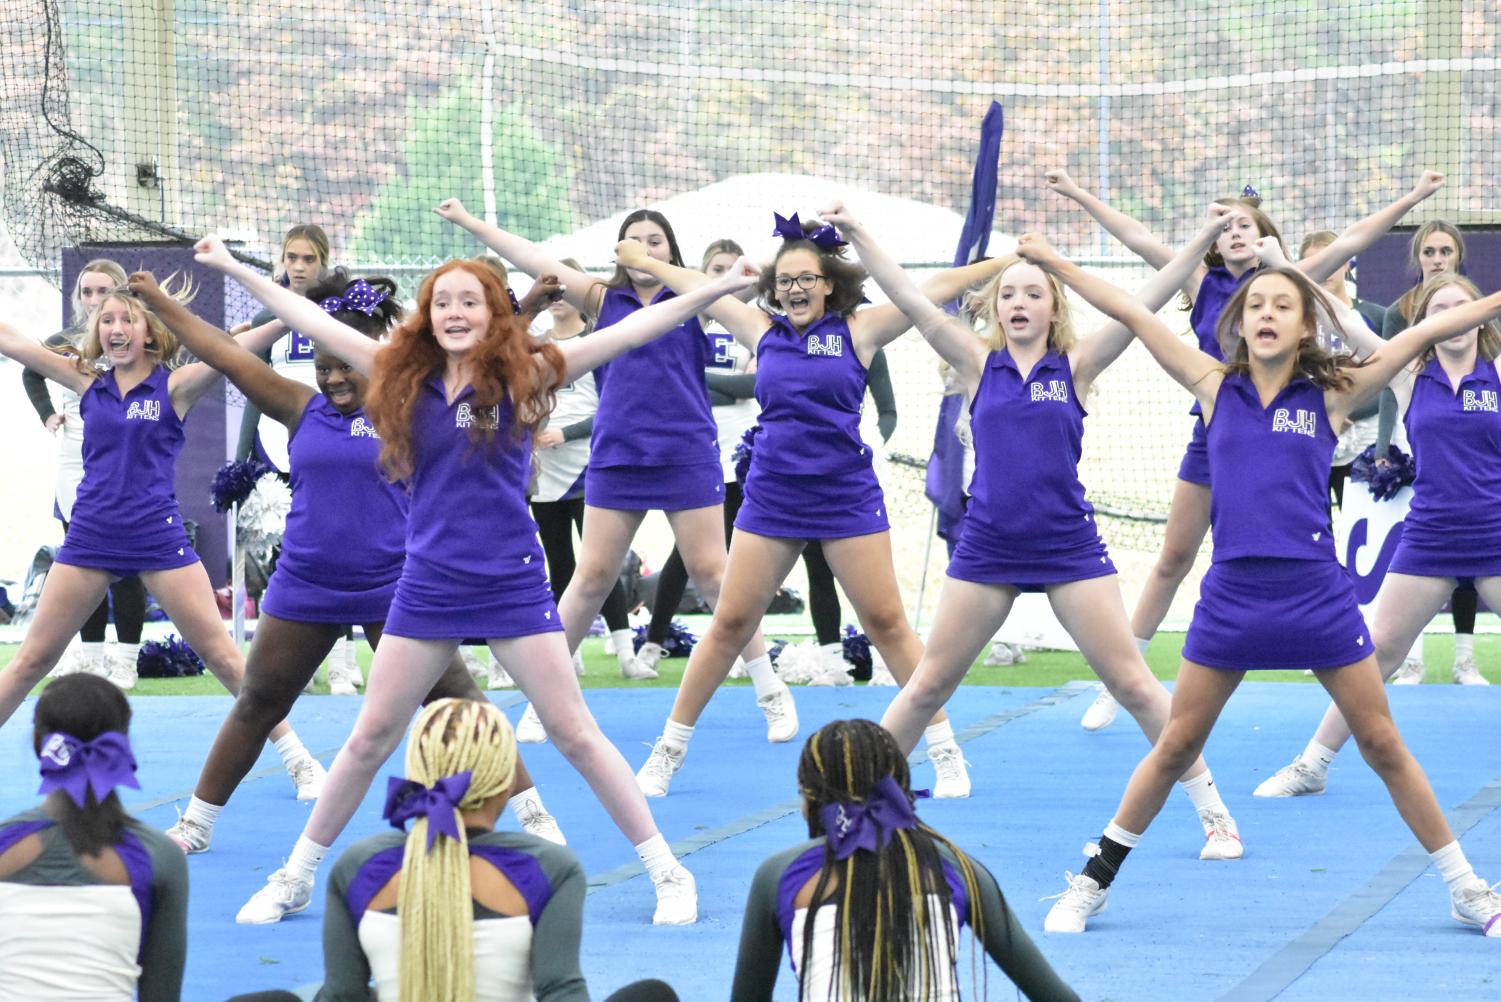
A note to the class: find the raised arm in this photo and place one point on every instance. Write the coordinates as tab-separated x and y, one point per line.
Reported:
58	368
297	312
585	353
1350	326
580	290
282	398
1323	263
1387	361
1193	369
1138	239
950	337
746	323
1093	355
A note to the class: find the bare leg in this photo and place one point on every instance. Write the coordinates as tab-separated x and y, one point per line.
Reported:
1187	521
69	596
605	541
699	535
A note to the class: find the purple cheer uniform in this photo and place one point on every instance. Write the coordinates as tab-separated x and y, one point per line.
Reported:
1214	292
1453	528
1028	524
655	444
126	519
1275	596
810	473
345	540
474	567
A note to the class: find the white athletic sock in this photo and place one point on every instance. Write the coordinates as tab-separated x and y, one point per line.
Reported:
677	735
762	676
655	855
202	813
1416	653
625	645
1202	791
1317	757
1452	865
290	748
938	734
1464	646
1120	836
1142	645
128	652
528	797
93	654
306	855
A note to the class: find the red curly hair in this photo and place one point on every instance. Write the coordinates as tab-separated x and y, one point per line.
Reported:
506	361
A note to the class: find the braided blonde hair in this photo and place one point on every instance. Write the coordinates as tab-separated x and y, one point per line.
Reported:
434	899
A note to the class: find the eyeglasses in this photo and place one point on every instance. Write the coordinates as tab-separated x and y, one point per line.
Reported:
804	281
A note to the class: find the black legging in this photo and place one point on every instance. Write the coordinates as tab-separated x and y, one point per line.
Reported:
555	524
129	597
1464	603
823	600
672	581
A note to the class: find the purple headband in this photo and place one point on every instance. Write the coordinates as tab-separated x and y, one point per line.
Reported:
407	799
1249	192
358	296
868	825
77	767
515	304
826	237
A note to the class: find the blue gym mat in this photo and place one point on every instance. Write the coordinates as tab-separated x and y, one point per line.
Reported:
1333	899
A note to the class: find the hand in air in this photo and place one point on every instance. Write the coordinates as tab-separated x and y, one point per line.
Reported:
212	252
1430	182
451	209
1034	248
840	217
1059	180
1269	250
743	274
546	289
631	254
143	284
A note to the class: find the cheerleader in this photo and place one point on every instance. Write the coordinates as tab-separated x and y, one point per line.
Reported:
127	595
126	519
654	445
811	475
1452	533
1275	596
1227	265
333	569
456	396
1028	527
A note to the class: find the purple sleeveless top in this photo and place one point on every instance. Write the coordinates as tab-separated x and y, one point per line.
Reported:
653	401
1456	441
347	527
811	386
130	449
1214	292
1269	471
469	523
1028	434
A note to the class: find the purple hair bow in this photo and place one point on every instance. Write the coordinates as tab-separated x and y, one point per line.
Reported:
868	825
825	236
358	296
77	767
1249	192
407	799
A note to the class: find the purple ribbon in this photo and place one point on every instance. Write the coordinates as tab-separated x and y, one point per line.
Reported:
868	825
1249	192
358	296
77	767
407	799
825	236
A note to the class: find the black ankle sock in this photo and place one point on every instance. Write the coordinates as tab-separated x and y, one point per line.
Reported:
1103	868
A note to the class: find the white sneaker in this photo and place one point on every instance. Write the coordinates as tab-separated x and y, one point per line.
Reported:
341	681
953	774
1296	780
781	715
498	678
529	731
1466	673
1478	904
677	897
1071	909
77	661
536	821
283	895
737	670
122	671
1101	712
190	836
1002	654
1221	836
656	775
649	655
1411	672
308	776
636	670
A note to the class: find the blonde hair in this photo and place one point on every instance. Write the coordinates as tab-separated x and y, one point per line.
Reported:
1489	346
434	900
161	343
102	266
981	303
